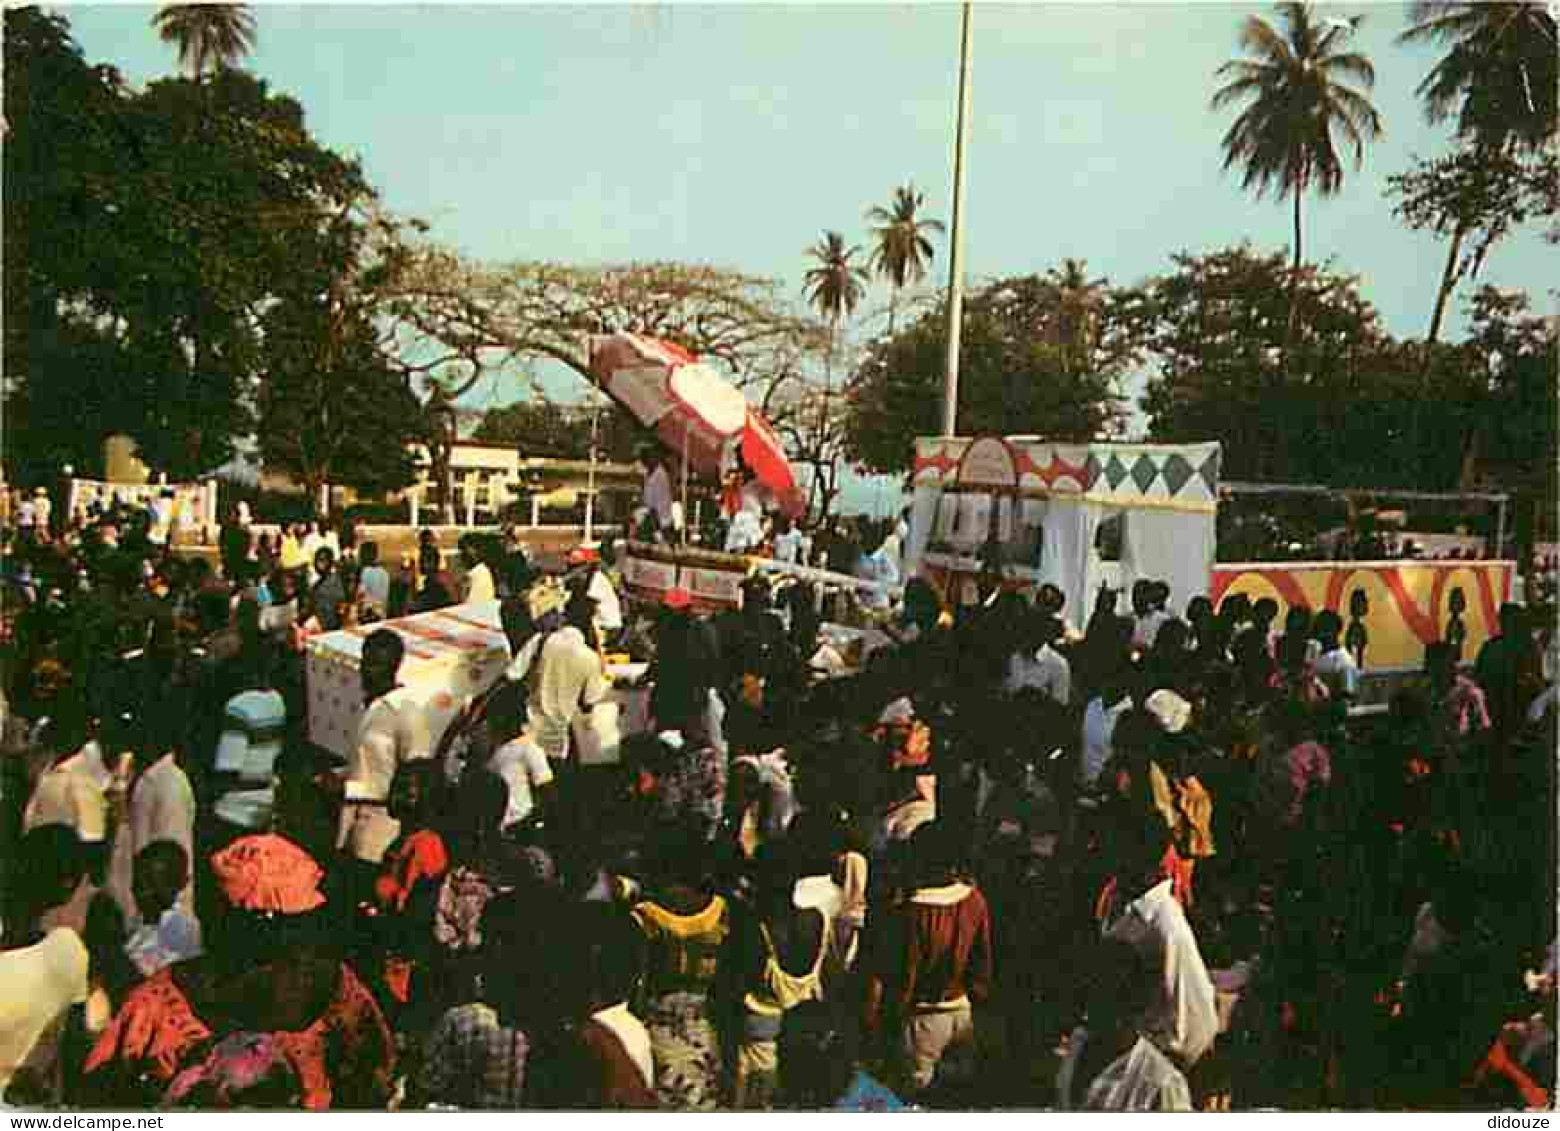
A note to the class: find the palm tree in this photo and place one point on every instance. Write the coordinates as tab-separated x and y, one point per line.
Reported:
1296	98
1498	75
208	36
836	286
1498	78
902	251
834	289
1076	324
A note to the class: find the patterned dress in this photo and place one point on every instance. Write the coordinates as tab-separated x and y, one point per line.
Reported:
156	1034
682	967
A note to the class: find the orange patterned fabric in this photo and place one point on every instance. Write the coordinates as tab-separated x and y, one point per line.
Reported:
268	873
419	858
156	1034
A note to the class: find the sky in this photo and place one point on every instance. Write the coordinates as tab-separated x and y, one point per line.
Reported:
735	134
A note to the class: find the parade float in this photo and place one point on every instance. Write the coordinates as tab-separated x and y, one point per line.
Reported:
1027	511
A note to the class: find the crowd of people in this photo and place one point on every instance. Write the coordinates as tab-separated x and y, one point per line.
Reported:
1142	860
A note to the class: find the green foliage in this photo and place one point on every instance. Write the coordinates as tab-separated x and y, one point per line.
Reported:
836	286
149	234
543	428
901	242
332	409
1498	75
1294	85
1040	354
1475	196
1346	405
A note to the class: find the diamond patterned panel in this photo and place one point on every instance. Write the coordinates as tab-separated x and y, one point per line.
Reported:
1209	471
1144	472
1091	472
1115	472
1176	472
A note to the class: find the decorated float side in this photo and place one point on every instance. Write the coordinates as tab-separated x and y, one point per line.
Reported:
1082	515
1393	609
1034	510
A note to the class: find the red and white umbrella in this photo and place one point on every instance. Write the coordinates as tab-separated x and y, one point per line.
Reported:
695	412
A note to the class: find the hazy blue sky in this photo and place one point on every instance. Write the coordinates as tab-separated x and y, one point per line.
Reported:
734	134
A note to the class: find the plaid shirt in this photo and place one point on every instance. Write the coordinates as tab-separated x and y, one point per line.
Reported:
474	1062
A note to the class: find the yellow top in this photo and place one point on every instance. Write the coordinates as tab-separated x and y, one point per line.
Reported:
684	949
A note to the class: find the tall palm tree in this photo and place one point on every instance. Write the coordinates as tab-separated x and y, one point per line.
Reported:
834	289
902	250
1293	85
836	286
1498	75
208	36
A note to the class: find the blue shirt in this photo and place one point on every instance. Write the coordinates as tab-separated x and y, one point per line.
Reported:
866	1094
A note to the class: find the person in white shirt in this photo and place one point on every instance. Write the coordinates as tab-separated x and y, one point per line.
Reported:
374	580
568	677
1335	664
1148	608
74	790
1181	1015
392	732
45	972
1040	665
787	541
516	758
168	933
656	496
313	542
598	587
479	577
1110	1064
881	566
746	531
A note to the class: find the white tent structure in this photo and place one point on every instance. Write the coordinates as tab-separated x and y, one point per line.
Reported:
1036	507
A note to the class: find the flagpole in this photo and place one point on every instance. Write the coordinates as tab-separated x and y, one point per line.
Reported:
950	412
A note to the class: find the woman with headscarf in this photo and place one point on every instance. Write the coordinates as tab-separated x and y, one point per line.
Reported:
268	968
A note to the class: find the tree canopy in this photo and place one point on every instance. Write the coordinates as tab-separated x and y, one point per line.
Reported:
146	274
1030	364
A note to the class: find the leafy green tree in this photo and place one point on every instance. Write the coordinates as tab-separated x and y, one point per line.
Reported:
1511	354
1498	76
1216	325
209	37
901	244
335	403
546	428
1474	196
1346	405
1032	362
1294	87
146	275
63	147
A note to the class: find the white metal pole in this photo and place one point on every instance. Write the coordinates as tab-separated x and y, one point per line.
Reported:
590	476
950	413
